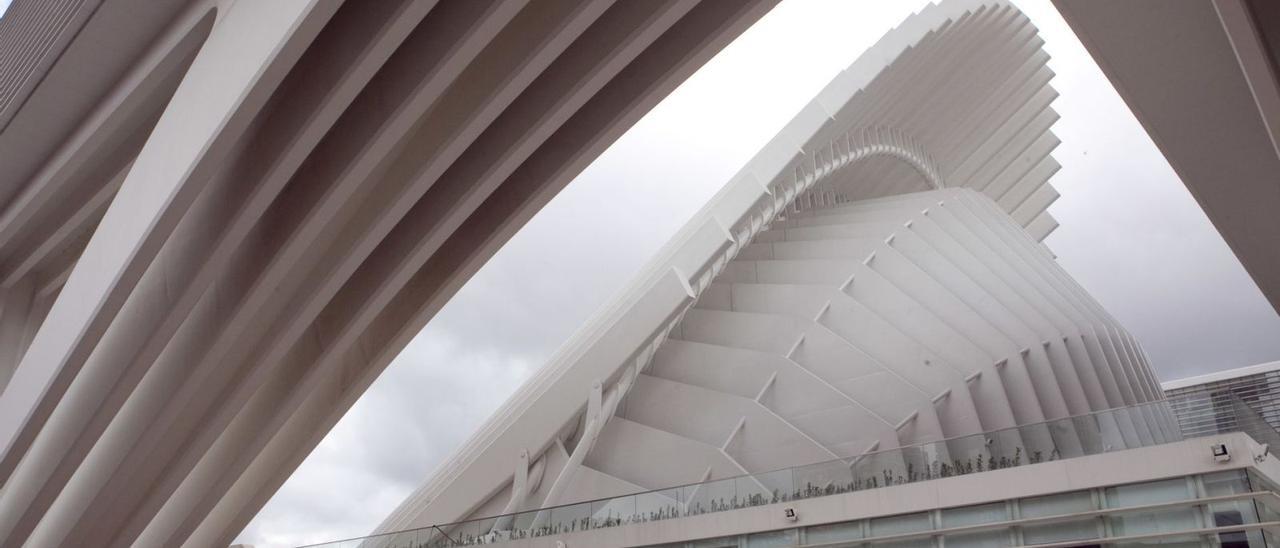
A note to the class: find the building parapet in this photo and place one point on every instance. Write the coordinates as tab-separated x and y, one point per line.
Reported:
988	467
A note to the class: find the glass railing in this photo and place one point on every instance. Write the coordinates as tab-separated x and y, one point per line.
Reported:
1104	431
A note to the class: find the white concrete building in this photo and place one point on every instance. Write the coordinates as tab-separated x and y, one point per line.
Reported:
1173	495
859	341
221	219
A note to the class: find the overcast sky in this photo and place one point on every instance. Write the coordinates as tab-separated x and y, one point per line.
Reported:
1131	234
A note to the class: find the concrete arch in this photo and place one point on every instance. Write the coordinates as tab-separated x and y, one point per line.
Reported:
322	179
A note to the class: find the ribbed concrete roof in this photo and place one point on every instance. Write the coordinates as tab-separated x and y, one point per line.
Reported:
956	96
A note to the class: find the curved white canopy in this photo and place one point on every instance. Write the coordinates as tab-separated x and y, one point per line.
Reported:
957	97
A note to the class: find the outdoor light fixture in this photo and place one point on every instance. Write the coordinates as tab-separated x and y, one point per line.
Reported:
1220	452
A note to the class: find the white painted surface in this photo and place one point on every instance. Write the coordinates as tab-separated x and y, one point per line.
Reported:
826	263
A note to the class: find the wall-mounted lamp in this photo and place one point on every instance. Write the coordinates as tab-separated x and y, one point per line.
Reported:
1220	452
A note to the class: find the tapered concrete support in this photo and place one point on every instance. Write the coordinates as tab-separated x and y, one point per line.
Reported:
246	209
206	116
16	322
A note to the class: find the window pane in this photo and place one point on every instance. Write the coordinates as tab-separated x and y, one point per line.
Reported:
772	539
1225	483
1148	493
833	532
1231	513
1056	505
1162	521
1084	528
989	539
1237	512
1177	542
900	524
1234	513
913	543
722	542
973	515
1260	483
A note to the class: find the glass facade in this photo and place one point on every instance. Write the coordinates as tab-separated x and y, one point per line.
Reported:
1149	511
1158	513
974	454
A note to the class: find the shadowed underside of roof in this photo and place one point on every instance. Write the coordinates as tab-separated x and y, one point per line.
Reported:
219	221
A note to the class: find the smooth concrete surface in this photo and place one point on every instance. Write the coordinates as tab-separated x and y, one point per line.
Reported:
1202	79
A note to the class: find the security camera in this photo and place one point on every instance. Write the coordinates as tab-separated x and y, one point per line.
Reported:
789	513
